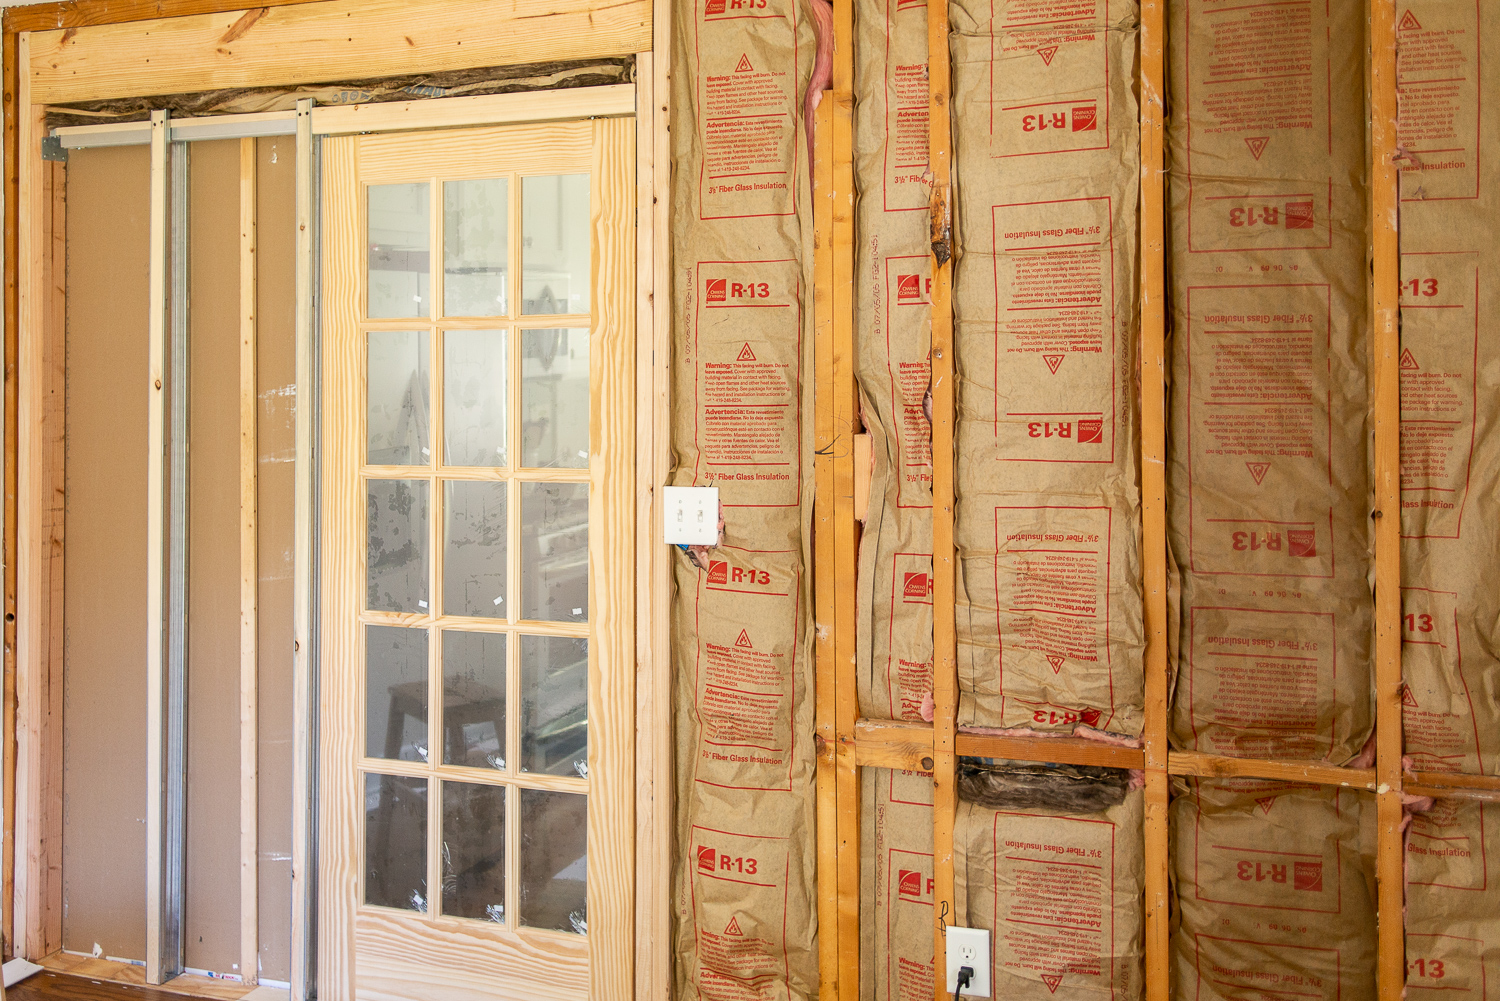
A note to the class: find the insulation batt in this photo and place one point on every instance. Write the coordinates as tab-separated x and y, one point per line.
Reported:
1268	501
742	238
1046	159
1060	893
896	886
893	340
1453	901
1450	386
1275	891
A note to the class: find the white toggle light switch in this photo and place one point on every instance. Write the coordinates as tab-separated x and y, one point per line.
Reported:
691	515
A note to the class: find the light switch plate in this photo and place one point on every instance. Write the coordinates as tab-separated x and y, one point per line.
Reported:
690	515
969	947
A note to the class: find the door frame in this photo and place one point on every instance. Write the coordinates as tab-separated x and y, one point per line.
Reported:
30	899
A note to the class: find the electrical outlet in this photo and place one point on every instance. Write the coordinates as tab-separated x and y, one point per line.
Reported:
969	947
690	515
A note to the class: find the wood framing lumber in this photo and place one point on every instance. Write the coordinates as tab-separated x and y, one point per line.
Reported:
319	42
1386	399
82	13
846	526
614	100
1154	493
825	565
1215	766
249	581
8	726
156	432
944	557
653	462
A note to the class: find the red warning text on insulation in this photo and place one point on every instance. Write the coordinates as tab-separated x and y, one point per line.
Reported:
904	185
909	674
909	894
739	887
1260	431
747	108
1439	390
1447	848
1437	707
1248	968
1260	683
1049	78
1054	331
1054	915
1052	589
907	294
747	351
744	664
1258	113
1237	861
1437	93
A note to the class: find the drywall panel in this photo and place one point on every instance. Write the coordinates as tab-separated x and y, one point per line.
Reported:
104	721
212	913
276	367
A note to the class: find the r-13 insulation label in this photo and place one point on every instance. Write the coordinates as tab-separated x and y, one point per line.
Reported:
746	617
1437	704
739	886
1438	80
747	101
747	359
1049	77
1259	114
1054	365
1260	424
1439	389
1262	682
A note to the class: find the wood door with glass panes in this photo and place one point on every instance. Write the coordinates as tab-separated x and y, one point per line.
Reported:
476	516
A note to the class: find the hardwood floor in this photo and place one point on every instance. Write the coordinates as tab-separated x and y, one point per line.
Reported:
81	978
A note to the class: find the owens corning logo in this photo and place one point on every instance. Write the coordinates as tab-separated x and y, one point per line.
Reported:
718	288
713	7
1299	215
1090	431
1085	118
708	859
908	288
916	586
718	572
1302	542
912	885
1308	876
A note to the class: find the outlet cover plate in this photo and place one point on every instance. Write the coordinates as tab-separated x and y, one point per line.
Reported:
690	515
969	947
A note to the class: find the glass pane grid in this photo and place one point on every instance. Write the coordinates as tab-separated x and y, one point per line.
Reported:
486	859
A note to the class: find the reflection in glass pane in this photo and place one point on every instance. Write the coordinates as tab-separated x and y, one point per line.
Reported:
476	236
397	392
554	839
396	693
474	851
475	528
554	705
396	558
473	699
555	551
396	842
399	243
474	397
555	398
555	254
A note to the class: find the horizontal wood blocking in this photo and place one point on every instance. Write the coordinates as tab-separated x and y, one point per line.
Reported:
76	14
908	746
324	42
